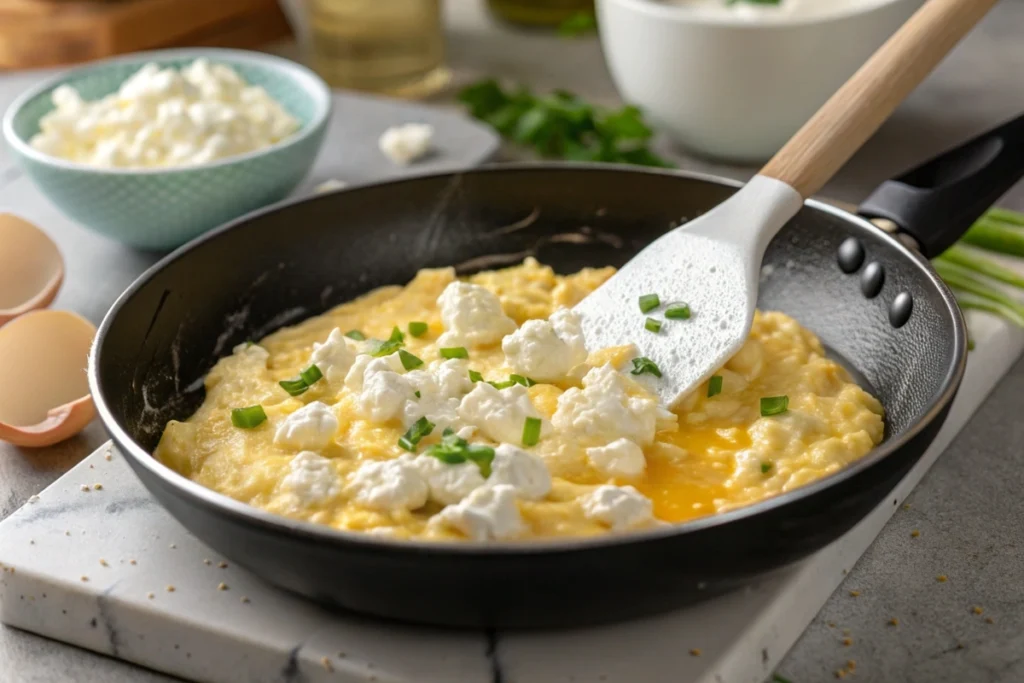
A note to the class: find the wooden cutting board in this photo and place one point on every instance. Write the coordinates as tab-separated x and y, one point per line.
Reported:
39	33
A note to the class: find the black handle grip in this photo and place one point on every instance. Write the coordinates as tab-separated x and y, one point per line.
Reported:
936	202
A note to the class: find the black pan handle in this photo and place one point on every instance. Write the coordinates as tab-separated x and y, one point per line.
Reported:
936	202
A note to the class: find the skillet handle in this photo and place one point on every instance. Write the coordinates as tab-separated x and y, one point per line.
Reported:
936	202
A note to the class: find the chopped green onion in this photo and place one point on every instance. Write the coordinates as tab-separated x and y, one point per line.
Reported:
396	335
766	467
454	450
503	385
531	431
475	376
294	386
409	361
356	334
311	375
519	379
776	678
384	348
678	312
774	405
648	302
714	385
454	352
416	394
652	325
247	418
644	365
417	329
483	456
421	428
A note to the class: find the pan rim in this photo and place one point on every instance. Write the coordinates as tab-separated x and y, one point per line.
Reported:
240	512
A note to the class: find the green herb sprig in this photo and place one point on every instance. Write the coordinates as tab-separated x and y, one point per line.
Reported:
561	125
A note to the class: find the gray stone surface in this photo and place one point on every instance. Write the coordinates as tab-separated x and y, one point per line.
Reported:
967	509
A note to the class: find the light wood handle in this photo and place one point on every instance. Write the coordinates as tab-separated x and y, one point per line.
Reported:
856	110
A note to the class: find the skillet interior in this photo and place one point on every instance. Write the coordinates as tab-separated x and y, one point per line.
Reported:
288	263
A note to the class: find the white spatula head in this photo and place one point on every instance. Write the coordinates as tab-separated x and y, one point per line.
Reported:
712	266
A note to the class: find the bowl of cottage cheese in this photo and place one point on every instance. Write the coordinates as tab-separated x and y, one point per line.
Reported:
153	149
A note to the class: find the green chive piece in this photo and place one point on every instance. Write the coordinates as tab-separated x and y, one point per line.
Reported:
409	361
454	450
531	431
776	678
247	418
454	352
416	394
483	456
714	385
385	348
475	376
356	334
417	329
396	335
648	302
652	325
503	385
311	375
519	379
774	405
294	387
766	467
421	428
678	312
644	365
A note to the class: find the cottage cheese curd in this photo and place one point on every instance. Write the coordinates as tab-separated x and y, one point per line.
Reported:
163	117
406	143
351	452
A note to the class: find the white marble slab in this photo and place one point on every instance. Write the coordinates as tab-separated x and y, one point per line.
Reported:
127	547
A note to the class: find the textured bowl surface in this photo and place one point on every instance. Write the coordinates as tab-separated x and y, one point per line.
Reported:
164	208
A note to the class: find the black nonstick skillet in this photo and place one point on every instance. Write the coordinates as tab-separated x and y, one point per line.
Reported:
870	295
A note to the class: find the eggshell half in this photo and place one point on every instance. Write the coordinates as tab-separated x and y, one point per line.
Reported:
44	392
31	267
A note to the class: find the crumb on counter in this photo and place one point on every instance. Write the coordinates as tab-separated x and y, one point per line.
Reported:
854	594
97	487
942	578
222	565
977	609
915	533
847	642
84	488
327	664
170	589
695	652
103	562
894	621
222	586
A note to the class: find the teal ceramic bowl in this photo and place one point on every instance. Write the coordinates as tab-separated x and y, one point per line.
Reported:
160	209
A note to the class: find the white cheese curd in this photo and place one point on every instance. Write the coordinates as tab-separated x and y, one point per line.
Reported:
406	143
452	377
603	409
311	479
163	117
620	458
449	483
432	403
472	316
311	428
488	513
334	357
500	414
330	185
546	350
390	485
366	365
384	395
619	507
524	472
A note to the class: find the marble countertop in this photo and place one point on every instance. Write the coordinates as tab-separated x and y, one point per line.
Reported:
965	532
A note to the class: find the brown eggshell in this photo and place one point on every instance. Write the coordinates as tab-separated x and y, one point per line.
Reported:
44	393
31	268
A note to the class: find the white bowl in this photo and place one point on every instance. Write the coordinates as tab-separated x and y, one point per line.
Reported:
732	87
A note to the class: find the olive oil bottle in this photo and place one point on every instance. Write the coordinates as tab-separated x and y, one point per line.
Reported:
392	47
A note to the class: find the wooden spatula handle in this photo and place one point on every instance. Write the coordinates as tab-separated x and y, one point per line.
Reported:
856	110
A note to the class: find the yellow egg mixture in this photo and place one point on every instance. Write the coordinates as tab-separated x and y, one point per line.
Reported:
718	454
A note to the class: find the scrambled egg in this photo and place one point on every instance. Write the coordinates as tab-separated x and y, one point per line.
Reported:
341	467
